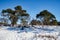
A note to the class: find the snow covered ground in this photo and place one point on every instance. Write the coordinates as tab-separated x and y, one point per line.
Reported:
30	33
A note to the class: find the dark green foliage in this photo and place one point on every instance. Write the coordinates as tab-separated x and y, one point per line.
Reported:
18	8
16	14
58	23
54	22
46	17
35	22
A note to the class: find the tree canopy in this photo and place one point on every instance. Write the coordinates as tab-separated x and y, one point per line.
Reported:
46	17
35	22
16	14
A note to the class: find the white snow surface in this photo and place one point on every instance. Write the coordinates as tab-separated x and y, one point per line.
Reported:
30	33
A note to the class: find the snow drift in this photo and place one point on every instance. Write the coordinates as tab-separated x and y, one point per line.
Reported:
31	33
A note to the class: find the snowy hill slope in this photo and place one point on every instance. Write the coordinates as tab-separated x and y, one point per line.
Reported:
31	33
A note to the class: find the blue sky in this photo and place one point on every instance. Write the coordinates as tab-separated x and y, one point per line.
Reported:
33	7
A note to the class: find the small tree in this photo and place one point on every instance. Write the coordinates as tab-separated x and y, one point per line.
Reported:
45	17
14	15
3	20
35	22
58	23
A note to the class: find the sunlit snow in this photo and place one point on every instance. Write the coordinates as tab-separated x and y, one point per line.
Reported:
30	33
